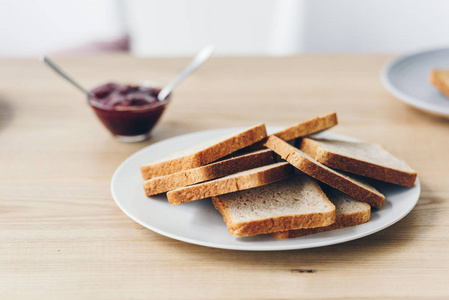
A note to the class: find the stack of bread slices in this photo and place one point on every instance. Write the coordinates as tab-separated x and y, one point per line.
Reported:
286	184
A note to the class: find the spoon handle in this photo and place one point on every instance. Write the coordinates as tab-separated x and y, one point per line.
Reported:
197	61
63	74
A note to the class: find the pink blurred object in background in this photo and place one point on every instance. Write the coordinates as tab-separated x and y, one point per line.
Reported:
118	45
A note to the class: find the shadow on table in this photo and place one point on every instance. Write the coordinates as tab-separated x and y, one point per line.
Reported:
427	116
414	226
6	112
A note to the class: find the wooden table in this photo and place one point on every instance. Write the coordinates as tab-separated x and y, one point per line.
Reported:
63	237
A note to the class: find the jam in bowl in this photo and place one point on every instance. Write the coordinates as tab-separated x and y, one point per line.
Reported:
128	111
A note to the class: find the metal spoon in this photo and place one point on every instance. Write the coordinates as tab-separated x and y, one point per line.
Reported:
63	74
197	61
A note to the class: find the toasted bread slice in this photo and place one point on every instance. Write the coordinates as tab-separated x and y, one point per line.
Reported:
370	160
308	127
349	212
349	185
211	171
296	202
302	129
203	154
440	80
232	183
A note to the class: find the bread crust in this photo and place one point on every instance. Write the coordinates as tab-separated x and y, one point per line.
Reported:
205	156
308	127
215	170
356	166
230	184
271	225
438	82
342	221
335	180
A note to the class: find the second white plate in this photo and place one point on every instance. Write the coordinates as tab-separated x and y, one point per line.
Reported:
407	78
199	223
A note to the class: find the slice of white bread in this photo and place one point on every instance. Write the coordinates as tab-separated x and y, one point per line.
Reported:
349	212
440	80
296	202
353	187
203	154
308	127
370	160
218	169
232	183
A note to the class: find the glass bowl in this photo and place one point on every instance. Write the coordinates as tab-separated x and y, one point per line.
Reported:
128	112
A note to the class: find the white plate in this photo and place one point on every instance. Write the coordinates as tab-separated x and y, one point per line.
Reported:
407	78
199	223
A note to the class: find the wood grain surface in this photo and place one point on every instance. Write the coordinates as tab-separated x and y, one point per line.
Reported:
63	237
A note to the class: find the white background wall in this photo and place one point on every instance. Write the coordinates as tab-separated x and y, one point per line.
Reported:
177	27
30	28
236	27
374	26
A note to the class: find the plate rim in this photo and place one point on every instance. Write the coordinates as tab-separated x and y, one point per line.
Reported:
413	101
245	248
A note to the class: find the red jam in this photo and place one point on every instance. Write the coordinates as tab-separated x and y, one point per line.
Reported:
127	110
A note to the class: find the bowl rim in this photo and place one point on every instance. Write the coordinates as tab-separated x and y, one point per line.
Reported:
137	108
